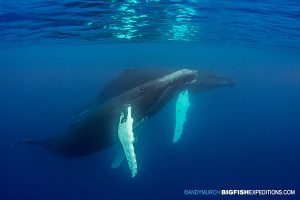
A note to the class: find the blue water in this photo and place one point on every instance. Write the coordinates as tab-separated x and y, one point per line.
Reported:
55	57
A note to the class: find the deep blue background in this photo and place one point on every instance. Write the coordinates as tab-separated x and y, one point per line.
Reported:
241	137
55	56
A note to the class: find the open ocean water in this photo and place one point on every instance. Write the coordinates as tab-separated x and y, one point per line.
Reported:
55	57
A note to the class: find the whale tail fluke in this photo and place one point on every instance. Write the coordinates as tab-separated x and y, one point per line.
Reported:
46	144
34	142
49	144
27	141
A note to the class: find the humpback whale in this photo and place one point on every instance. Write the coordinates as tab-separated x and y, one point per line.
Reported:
130	78
99	129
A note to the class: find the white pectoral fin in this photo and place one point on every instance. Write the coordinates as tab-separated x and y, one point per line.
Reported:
121	155
126	137
182	106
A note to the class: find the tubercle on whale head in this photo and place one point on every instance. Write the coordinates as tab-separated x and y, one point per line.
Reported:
178	80
192	75
172	84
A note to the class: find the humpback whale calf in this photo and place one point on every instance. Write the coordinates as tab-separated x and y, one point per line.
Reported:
99	129
131	78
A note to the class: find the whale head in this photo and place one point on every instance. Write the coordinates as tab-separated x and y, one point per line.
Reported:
209	80
156	93
175	82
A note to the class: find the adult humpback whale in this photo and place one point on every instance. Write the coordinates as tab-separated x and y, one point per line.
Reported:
98	130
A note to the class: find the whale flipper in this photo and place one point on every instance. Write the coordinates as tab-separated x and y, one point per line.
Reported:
126	137
120	155
182	106
118	160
